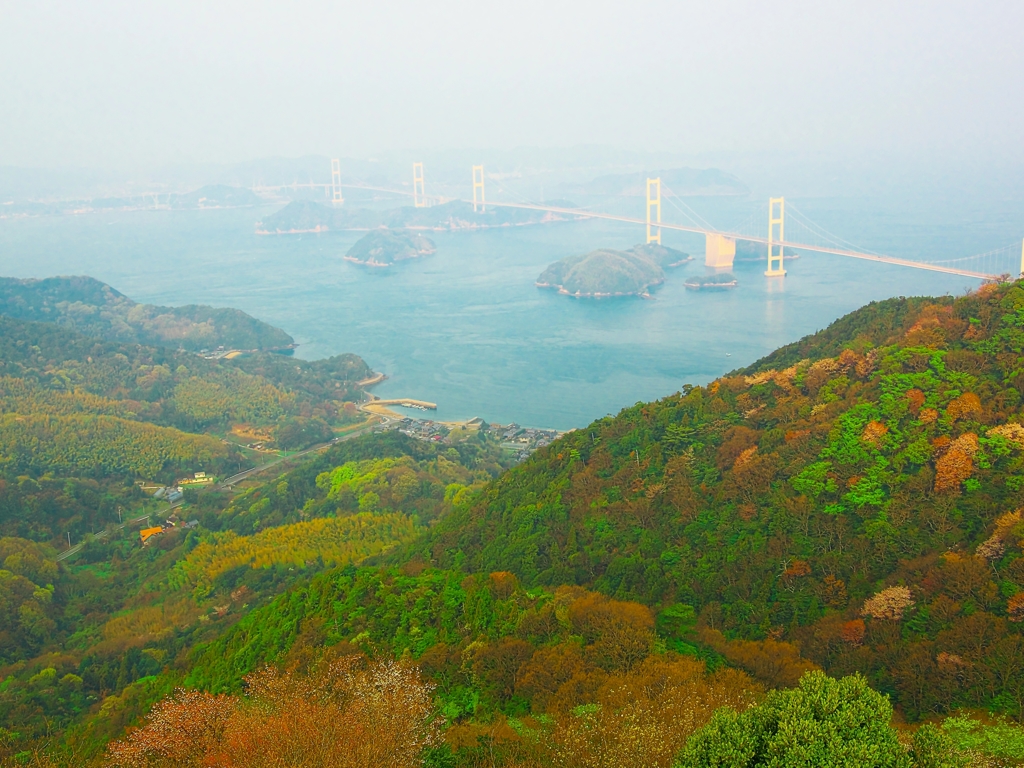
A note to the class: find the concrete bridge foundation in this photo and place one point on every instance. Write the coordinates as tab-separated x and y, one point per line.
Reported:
719	251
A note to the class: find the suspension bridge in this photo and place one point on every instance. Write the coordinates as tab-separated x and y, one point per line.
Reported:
1000	265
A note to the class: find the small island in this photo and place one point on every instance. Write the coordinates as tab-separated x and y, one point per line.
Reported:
717	281
384	247
605	272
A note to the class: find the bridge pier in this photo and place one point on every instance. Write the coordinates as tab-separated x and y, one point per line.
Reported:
719	251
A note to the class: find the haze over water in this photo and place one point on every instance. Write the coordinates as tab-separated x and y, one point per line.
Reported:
466	328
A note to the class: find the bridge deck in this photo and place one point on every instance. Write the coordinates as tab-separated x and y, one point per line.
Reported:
754	239
695	230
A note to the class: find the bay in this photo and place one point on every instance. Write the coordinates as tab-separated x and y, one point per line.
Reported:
467	329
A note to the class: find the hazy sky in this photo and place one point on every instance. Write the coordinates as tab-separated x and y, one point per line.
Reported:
124	84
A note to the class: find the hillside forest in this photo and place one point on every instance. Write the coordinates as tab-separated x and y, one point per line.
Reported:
93	407
815	560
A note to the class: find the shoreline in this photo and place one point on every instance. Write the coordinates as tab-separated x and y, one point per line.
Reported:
380	264
644	294
710	286
378	407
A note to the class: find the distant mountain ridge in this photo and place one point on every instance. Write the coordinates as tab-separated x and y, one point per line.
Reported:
95	309
306	216
685	182
210	196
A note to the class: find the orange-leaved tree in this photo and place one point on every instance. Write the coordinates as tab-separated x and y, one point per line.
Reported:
349	713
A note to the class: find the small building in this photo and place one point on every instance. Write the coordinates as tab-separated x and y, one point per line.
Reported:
160	493
174	494
191	525
147	533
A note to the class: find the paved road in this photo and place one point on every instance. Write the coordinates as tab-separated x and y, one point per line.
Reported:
225	484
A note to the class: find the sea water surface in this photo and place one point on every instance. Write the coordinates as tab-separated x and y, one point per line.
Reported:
467	328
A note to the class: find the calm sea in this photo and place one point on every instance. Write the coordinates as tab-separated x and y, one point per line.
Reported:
466	328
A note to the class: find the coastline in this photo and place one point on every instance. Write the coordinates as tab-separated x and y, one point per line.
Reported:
644	294
710	286
371	262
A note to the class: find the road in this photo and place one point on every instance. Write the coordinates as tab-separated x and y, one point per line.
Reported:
225	484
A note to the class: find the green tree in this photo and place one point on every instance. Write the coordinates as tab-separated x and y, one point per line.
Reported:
821	722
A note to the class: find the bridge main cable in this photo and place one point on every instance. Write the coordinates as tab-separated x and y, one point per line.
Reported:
336	185
763	240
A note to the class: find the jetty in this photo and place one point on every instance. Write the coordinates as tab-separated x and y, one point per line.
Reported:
406	402
380	407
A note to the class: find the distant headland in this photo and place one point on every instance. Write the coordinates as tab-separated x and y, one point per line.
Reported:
301	216
88	306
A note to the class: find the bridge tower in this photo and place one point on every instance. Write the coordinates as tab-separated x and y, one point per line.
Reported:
419	197
478	184
654	202
336	197
776	235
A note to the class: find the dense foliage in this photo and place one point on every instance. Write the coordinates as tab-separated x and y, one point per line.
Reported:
822	722
345	714
558	663
45	508
860	502
327	541
102	445
116	623
666	587
603	272
55	382
389	472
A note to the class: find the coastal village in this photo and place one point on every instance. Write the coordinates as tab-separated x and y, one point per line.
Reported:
522	441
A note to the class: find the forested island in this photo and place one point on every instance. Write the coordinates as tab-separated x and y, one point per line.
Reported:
817	555
304	216
384	247
605	272
93	308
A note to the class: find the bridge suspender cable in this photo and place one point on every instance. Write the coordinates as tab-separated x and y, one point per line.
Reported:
724	242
